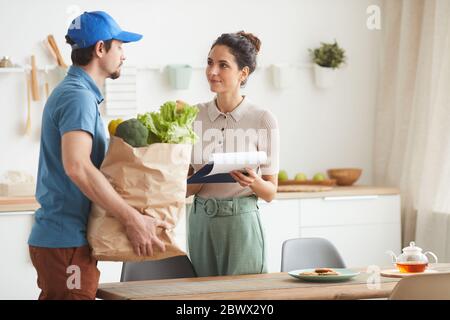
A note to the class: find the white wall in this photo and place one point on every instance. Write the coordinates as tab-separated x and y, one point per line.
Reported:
319	129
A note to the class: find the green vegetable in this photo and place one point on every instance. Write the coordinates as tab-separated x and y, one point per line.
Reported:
133	132
170	125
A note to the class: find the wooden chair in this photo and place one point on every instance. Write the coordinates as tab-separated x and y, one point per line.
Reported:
423	287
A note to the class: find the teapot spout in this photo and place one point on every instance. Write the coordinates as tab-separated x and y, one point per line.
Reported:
393	256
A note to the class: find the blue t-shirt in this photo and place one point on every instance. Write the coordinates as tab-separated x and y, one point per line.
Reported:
61	221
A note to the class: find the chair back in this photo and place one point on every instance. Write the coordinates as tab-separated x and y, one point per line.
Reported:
305	253
176	267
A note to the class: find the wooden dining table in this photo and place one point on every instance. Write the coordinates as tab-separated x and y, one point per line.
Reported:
369	284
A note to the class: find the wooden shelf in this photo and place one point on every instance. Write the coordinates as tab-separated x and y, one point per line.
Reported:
26	69
11	70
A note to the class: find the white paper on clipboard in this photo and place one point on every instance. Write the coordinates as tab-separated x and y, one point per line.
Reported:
226	162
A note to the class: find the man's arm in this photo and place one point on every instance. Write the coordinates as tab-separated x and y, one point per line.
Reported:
141	230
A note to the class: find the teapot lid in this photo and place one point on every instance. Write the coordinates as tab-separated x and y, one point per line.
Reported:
412	247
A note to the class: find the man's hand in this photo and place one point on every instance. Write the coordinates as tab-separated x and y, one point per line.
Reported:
141	231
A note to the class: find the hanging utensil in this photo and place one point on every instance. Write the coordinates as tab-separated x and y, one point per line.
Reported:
46	86
61	68
54	46
47	90
49	49
28	124
34	81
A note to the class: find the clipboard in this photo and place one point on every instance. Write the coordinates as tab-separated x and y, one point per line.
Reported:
217	170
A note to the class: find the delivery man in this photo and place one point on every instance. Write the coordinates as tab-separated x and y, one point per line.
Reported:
73	144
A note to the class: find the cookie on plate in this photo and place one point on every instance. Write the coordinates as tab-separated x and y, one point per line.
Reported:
326	272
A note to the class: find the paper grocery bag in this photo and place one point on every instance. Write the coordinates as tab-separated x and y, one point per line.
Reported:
151	179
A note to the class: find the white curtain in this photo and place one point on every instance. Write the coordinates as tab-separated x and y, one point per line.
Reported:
412	145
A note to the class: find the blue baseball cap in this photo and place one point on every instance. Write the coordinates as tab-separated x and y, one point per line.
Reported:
91	27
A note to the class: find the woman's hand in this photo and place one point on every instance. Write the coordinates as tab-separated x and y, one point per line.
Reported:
245	180
265	187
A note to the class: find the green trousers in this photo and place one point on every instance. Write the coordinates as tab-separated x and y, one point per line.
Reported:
226	237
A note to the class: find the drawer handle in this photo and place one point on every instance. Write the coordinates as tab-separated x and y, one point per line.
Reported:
350	198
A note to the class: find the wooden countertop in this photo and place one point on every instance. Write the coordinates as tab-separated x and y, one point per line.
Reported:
13	204
340	192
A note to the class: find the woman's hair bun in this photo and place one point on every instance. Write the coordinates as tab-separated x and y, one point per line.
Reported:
252	38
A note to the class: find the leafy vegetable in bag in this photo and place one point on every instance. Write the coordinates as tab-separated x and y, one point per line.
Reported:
171	124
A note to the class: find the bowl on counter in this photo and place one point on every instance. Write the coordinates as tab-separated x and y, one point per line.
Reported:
344	176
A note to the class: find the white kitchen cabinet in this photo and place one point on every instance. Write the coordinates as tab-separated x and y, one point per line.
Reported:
110	271
280	220
17	274
361	227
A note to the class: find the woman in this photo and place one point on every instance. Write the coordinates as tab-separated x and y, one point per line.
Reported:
225	231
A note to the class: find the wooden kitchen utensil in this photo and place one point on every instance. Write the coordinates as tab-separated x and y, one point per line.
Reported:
54	46
60	70
49	49
46	85
34	81
28	124
47	89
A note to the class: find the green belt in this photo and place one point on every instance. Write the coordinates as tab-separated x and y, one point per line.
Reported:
227	207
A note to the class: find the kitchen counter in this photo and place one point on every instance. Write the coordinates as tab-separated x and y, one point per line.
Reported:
340	192
17	204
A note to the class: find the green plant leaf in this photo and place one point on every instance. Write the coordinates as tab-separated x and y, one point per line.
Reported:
170	125
328	55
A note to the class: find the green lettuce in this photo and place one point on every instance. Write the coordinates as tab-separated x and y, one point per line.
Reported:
170	125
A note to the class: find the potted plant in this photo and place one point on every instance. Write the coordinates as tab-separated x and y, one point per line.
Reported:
327	58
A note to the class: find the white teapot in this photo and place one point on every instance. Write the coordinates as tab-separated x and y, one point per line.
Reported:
412	259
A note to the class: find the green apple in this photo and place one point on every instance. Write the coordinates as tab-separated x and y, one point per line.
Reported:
300	176
282	175
319	176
